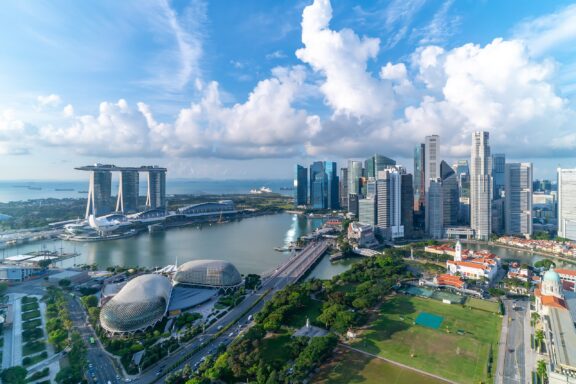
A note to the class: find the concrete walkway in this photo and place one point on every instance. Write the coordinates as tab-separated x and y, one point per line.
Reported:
17	331
398	364
8	343
499	376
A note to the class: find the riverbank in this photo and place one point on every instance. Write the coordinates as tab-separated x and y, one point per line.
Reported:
519	249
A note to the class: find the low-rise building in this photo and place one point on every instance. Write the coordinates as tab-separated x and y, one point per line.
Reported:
18	273
362	233
474	265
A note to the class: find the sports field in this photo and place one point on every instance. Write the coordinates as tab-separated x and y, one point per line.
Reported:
349	367
458	350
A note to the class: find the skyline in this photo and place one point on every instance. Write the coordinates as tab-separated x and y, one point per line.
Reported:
191	88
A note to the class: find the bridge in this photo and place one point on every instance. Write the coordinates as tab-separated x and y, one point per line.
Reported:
298	263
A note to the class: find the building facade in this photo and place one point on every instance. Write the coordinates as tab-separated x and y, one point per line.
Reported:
300	185
419	177
431	158
567	203
367	211
435	210
128	190
450	195
343	185
406	205
481	186
498	171
518	200
388	205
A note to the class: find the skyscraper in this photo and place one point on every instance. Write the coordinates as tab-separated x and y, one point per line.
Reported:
354	175
156	195
407	205
318	186
463	175
431	159
377	163
324	185
343	184
367	211
388	204
498	169
99	193
435	209
518	201
567	203
419	177
481	186
333	198
300	185
128	188
450	195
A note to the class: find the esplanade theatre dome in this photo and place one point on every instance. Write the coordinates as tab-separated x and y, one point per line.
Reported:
141	303
208	273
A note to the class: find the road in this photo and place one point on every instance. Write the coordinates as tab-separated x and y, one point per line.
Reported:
514	349
285	274
102	365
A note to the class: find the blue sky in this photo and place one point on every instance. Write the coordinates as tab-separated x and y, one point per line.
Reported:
230	89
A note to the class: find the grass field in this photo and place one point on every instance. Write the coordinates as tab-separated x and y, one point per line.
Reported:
485	305
356	368
458	350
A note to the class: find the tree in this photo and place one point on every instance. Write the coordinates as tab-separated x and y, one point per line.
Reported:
90	301
14	375
64	283
541	369
3	288
539	336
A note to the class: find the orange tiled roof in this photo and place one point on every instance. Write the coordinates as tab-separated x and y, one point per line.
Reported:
469	264
569	272
553	301
446	279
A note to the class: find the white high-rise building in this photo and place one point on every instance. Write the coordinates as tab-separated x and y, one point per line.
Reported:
481	186
389	206
431	159
567	203
435	209
518	200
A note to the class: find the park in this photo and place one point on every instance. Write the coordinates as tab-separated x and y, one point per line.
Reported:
456	342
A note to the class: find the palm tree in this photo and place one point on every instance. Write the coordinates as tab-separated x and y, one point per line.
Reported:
541	370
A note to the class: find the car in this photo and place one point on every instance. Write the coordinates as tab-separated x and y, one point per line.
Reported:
220	327
231	334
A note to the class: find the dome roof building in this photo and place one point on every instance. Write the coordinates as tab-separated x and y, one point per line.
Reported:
551	284
208	273
140	304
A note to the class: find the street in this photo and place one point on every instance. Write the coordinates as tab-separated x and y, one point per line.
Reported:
99	362
517	342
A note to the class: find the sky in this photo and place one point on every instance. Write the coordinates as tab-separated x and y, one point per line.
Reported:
246	89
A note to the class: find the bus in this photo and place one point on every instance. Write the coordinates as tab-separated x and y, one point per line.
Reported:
91	340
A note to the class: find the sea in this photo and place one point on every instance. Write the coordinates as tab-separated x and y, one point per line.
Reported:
30	190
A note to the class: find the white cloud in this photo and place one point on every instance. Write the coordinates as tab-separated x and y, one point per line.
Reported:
555	31
342	58
440	28
49	101
68	111
276	55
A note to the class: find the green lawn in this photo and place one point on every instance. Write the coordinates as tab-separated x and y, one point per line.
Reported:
445	352
489	306
349	367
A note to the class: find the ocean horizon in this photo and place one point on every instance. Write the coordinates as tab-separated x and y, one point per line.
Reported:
23	190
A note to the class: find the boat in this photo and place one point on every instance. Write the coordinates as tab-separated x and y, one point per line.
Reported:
261	190
286	188
82	191
64	189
